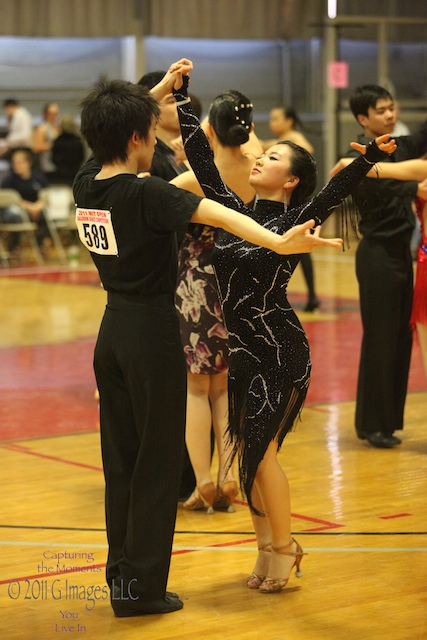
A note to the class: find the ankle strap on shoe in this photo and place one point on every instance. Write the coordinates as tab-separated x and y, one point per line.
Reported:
281	550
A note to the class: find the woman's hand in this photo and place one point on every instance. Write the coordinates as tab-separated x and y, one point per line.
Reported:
299	239
178	69
172	78
384	143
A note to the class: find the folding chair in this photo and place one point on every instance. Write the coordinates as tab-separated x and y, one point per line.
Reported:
59	214
8	198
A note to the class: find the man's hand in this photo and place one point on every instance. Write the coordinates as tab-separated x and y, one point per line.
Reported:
172	78
178	69
300	240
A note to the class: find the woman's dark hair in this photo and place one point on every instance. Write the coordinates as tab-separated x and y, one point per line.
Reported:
150	79
111	113
290	112
230	115
25	151
47	107
303	166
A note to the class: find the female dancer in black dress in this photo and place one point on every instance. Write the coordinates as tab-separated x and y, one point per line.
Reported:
269	359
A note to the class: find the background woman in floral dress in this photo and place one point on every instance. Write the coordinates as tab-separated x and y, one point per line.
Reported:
229	129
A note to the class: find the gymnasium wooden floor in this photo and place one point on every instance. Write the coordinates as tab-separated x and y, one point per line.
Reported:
359	512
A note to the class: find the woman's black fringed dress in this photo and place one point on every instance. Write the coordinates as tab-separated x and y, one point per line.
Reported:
269	355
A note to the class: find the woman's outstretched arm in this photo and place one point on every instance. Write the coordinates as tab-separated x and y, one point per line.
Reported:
342	184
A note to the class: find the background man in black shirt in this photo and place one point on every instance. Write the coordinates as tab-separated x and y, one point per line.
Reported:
384	272
164	165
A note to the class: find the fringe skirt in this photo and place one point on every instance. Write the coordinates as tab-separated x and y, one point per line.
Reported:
255	421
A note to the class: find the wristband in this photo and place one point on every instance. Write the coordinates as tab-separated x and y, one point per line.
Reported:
373	153
181	102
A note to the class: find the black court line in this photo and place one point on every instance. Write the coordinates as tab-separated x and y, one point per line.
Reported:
234	533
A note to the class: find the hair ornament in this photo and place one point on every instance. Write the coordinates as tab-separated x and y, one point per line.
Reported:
239	119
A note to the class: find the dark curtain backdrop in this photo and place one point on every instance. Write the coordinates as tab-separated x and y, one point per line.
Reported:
227	19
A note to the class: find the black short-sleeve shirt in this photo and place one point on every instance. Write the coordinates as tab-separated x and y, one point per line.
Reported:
146	213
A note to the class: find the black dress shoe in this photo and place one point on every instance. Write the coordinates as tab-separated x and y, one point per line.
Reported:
125	608
394	439
381	441
116	593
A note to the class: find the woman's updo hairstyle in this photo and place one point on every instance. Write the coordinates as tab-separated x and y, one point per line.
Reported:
230	116
303	166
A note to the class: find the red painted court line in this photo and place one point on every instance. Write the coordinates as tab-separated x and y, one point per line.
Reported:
38	576
233	544
218	544
397	515
326	524
315	407
79	570
21	449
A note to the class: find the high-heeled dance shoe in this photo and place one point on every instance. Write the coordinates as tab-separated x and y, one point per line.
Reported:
203	497
225	496
271	585
255	581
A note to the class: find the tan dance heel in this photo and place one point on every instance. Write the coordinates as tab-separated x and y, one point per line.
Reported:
202	498
271	585
254	581
226	495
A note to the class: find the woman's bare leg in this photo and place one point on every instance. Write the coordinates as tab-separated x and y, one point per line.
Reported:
218	395
198	427
273	488
263	535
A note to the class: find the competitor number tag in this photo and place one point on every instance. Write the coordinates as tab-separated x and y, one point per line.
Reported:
96	231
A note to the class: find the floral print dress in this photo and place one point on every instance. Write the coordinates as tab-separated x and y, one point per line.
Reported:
203	332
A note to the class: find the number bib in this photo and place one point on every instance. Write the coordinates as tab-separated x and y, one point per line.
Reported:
96	231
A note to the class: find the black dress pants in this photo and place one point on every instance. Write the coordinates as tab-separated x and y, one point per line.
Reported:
384	272
141	377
